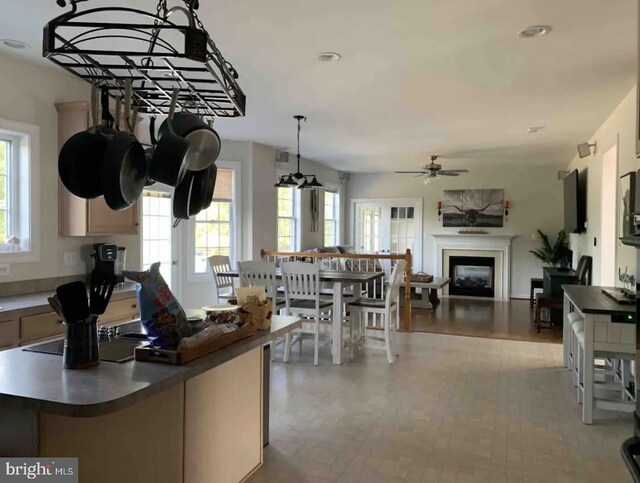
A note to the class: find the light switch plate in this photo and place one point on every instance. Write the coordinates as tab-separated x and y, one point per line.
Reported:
4	270
70	259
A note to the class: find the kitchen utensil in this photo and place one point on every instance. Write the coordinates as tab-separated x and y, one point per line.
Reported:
180	201
124	168
169	159
55	305
204	142
148	152
81	157
100	289
73	301
208	197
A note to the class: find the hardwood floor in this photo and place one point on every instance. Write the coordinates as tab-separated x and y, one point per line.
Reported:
492	319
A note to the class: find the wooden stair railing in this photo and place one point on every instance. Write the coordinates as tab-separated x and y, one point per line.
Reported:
406	319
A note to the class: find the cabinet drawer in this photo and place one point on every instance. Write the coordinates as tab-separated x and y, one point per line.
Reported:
40	326
126	309
9	334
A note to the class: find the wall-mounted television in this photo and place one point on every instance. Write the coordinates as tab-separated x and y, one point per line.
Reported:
574	202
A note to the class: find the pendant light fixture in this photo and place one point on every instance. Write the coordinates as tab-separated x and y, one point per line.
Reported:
298	179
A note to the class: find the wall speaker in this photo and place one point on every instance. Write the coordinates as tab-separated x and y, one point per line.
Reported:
282	157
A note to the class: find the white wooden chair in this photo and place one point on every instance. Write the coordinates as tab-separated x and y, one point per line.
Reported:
361	309
252	273
302	297
224	285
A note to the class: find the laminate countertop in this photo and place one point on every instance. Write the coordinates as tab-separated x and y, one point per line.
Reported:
590	300
37	381
38	300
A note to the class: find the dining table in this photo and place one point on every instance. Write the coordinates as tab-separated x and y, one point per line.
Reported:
340	279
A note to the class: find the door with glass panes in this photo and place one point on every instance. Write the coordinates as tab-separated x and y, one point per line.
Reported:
389	226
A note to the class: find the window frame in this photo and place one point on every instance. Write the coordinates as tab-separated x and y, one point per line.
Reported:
25	189
160	188
235	217
295	218
335	216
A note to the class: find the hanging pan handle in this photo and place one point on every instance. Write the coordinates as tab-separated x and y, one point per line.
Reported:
118	112
95	100
107	118
172	109
127	104
152	131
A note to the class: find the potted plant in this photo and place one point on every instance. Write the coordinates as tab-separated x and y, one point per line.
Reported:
557	254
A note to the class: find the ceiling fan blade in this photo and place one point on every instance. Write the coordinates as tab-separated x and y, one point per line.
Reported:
410	172
448	173
457	170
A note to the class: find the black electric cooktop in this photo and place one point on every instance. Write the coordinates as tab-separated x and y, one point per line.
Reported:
112	349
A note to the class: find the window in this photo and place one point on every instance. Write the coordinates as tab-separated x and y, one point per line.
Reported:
156	232
19	188
215	226
368	234
331	217
287	220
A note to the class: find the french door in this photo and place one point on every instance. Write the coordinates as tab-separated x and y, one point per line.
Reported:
389	226
159	239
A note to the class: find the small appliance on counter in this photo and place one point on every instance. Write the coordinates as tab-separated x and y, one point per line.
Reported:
110	260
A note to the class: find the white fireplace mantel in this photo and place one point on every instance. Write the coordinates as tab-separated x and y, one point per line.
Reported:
479	242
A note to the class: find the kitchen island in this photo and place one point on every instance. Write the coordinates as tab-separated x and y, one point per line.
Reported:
140	421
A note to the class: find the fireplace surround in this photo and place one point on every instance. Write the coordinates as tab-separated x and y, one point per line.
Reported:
489	245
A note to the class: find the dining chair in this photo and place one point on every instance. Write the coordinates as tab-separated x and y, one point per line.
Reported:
302	289
224	285
360	310
258	272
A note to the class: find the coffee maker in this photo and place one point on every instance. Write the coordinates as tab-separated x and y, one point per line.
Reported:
109	259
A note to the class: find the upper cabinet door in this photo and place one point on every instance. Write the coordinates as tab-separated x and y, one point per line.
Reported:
102	220
77	216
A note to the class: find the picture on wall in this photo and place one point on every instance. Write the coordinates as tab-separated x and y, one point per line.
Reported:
473	208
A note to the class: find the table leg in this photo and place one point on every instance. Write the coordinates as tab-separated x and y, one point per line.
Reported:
336	340
587	368
433	298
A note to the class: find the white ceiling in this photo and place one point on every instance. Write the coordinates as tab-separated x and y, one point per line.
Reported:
417	76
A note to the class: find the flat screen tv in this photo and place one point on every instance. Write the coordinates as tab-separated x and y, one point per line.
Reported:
574	203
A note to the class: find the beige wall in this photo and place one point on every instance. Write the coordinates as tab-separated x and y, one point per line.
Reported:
29	92
619	128
536	202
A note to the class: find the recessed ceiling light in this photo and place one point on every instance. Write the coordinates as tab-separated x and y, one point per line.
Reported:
329	57
14	44
535	128
534	31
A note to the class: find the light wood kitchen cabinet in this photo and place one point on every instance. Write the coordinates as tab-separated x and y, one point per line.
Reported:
9	334
77	216
41	326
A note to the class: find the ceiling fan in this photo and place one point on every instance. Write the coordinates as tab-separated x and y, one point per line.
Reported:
433	171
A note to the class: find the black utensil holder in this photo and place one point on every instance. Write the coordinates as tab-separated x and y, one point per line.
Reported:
81	345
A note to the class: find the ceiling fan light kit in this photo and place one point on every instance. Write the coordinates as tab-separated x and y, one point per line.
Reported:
297	179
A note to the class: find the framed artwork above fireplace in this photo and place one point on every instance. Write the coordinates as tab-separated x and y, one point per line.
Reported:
473	208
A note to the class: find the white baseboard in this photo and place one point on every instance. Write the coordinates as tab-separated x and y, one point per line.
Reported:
520	296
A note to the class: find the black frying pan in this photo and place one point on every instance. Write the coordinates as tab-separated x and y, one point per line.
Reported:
208	197
148	152
124	170
203	139
169	159
181	197
81	157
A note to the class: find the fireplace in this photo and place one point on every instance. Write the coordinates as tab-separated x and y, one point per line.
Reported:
472	276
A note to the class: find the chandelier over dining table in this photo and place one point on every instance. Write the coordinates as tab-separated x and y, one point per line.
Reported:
297	179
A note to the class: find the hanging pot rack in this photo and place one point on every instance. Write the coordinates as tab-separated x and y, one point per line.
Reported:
144	49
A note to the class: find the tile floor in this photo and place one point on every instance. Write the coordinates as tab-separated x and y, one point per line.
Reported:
451	409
